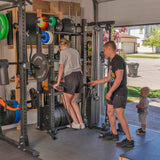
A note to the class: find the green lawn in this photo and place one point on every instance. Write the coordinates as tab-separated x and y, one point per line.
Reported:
140	56
150	53
133	93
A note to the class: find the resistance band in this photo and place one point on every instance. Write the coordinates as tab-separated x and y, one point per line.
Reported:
3	104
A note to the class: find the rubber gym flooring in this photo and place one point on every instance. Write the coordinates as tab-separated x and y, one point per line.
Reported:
80	145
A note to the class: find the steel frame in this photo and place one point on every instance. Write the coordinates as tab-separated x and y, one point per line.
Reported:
96	69
23	143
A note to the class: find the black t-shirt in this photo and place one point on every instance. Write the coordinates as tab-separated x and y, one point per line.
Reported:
118	63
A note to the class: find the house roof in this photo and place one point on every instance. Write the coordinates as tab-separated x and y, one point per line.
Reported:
124	35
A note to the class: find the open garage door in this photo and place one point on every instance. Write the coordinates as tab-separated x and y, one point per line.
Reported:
124	12
130	12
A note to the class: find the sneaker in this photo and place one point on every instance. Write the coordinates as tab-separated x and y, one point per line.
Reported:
141	132
139	129
111	136
126	143
69	125
76	126
82	125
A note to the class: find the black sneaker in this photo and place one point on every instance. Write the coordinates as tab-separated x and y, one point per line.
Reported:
139	129
141	132
126	143
111	136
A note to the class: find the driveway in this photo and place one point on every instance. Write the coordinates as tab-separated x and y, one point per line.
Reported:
148	73
153	119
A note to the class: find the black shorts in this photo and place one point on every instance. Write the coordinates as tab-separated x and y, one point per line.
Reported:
73	83
119	98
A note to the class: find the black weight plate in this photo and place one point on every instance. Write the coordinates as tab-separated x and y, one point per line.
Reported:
39	67
68	25
59	25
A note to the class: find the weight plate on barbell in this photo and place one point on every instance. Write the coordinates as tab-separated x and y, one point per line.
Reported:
39	66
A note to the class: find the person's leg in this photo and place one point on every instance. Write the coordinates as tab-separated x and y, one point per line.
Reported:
67	104
123	121
76	108
143	127
112	118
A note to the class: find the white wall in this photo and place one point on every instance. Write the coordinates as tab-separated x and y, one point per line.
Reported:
87	10
6	53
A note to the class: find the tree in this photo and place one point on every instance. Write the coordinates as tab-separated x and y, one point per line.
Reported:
154	38
116	35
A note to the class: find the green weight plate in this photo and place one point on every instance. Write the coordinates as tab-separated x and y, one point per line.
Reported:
53	21
7	26
3	26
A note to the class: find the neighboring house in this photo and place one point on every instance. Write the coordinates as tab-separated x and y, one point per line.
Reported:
127	43
141	32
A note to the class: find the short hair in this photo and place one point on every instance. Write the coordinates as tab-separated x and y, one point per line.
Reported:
146	89
64	41
110	44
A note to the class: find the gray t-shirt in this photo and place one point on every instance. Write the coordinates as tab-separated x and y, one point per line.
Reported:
143	102
70	58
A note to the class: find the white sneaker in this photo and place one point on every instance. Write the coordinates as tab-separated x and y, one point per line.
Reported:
69	125
82	126
76	126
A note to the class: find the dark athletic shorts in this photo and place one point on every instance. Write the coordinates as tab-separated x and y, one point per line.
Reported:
73	83
119	98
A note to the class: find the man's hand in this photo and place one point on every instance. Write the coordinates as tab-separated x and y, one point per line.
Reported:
108	96
56	87
92	83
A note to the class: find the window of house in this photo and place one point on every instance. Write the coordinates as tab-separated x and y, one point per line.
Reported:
141	30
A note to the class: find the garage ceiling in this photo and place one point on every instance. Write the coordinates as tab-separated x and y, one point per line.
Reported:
129	12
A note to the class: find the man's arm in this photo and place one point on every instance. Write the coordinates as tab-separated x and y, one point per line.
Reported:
118	79
101	81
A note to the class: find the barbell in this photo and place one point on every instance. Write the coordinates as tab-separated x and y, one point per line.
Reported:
39	67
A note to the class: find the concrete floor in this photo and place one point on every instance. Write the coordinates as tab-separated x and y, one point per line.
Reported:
79	144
